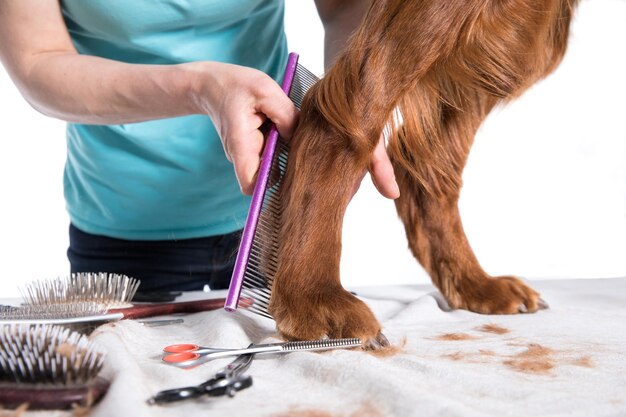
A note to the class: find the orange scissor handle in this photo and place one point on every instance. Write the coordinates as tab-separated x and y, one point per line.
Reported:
180	357
180	348
184	352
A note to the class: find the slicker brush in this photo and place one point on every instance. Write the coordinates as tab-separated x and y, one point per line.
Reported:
48	367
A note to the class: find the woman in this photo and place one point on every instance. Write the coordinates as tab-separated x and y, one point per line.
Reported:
148	185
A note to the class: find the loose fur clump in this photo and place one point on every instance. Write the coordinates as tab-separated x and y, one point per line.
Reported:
442	66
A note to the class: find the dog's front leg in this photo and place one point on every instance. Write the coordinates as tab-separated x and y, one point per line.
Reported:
308	301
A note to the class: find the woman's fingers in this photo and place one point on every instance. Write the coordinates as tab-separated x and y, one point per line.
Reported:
245	156
382	173
279	108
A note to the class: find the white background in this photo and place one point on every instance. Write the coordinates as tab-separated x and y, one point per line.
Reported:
545	186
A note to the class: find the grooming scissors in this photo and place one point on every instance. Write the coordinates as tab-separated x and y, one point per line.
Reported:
190	355
225	382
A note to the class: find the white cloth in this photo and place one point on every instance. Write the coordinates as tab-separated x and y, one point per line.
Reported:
569	360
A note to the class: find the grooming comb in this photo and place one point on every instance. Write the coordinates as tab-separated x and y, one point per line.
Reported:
256	261
91	298
48	367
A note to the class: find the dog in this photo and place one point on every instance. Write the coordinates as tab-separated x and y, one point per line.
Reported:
439	67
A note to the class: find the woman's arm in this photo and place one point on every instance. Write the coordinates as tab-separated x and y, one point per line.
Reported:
340	18
38	54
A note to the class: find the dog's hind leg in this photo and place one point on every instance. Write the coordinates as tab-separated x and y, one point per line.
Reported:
503	49
428	169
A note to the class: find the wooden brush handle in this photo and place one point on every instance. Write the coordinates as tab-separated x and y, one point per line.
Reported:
51	397
162	309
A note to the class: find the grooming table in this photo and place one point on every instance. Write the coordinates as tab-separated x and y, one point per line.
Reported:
569	360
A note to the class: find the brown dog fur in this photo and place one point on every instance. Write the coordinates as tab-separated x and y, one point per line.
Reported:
444	65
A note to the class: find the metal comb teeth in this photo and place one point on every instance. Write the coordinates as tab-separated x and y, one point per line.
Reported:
109	290
322	344
47	354
303	79
262	264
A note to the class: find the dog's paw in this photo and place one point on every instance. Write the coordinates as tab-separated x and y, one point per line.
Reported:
502	295
332	314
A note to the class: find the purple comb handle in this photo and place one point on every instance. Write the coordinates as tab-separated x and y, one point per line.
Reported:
236	282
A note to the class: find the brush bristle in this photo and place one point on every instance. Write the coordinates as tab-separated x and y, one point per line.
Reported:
263	260
108	290
322	344
47	355
49	312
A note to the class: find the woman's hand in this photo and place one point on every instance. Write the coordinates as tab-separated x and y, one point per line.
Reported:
239	100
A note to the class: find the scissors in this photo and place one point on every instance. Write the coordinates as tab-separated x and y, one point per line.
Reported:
188	355
225	382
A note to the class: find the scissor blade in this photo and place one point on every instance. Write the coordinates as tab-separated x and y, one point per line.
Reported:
238	366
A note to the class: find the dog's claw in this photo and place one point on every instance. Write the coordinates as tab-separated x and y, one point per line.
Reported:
378	343
382	340
542	304
522	308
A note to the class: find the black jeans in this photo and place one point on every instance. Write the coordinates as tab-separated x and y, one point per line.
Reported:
164	265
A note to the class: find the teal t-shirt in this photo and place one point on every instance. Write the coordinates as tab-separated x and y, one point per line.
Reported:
169	178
